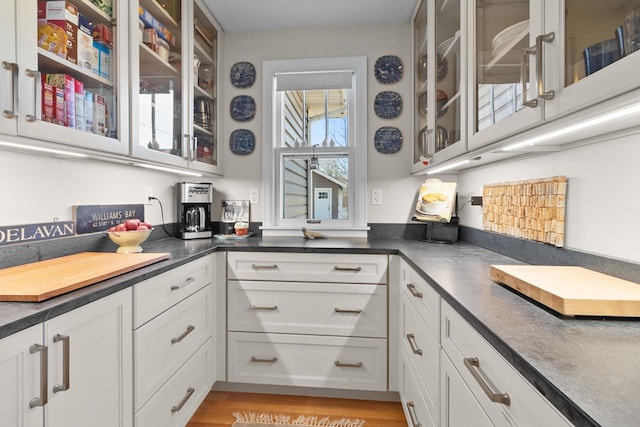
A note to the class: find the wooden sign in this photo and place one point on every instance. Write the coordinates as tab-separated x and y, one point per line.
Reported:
34	232
95	218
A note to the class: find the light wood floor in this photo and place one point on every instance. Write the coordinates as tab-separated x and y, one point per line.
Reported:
218	407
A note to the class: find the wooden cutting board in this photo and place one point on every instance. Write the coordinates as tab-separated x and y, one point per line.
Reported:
572	291
39	281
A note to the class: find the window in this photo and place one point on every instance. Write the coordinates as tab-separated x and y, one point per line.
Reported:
314	156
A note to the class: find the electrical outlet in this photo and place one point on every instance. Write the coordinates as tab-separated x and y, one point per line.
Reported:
254	196
148	192
376	196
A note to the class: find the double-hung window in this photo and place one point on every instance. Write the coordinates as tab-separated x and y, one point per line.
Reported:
314	153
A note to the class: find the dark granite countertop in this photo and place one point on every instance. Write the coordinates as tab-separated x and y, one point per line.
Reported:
587	367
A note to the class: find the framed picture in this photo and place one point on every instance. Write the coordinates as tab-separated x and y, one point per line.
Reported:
235	210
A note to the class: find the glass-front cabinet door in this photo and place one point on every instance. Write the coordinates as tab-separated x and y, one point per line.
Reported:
439	82
71	73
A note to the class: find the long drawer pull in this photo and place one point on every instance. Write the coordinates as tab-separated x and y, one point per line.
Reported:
413	290
411	406
183	284
472	363
414	346
348	365
338	268
176	340
264	267
35	74
13	67
264	307
65	362
44	374
258	360
179	406
346	310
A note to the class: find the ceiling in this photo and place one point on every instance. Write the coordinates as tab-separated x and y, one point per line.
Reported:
259	15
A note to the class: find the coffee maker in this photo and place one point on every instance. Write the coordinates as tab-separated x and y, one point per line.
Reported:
194	202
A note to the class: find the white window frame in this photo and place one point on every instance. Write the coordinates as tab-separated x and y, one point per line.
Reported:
272	153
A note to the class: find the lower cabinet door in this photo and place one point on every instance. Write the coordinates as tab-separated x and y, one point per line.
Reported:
418	409
308	361
176	402
458	406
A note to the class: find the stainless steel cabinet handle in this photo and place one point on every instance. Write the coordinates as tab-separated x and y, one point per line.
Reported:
179	406
472	363
183	284
44	374
258	360
524	67
338	268
186	146
413	290
348	365
65	362
345	310
194	144
13	67
414	346
411	406
36	88
542	38
175	340
264	267
262	307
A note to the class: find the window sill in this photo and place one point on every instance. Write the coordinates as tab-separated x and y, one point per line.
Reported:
272	231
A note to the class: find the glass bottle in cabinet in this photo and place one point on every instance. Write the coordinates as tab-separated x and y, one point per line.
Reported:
71	77
439	75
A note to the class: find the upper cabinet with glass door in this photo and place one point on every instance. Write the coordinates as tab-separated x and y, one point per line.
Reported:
562	55
69	79
440	67
174	85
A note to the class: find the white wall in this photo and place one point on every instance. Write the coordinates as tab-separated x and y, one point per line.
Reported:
602	197
389	172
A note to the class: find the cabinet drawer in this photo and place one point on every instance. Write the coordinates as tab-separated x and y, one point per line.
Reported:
423	296
153	296
308	308
418	410
175	403
420	346
526	406
335	268
308	361
162	345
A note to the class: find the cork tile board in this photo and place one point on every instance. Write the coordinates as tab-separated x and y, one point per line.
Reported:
532	209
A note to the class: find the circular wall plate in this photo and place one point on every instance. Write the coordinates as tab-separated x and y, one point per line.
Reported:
388	140
242	142
388	105
388	69
243	74
242	108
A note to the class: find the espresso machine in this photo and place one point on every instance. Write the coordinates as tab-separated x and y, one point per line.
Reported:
194	202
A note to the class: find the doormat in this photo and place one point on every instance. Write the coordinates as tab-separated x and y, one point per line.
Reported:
253	419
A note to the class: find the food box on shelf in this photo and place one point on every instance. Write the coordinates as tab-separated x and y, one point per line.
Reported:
104	5
103	33
102	58
67	84
79	98
48	103
59	115
98	115
64	15
151	22
88	111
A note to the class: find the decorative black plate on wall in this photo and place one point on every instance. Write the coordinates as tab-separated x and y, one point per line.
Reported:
243	74
388	140
388	105
242	108
242	142
388	69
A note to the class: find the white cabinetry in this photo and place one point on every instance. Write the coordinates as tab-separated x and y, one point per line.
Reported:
80	373
315	320
173	350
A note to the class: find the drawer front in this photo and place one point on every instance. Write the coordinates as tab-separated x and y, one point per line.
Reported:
418	410
420	346
484	365
153	296
162	345
308	308
335	268
177	401
423	296
308	361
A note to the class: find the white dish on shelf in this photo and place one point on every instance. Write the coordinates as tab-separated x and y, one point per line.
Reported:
505	48
508	33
